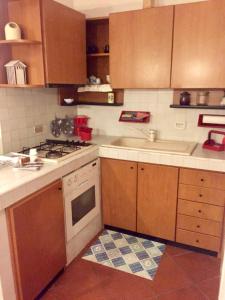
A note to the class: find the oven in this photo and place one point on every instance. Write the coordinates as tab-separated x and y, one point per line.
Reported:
82	198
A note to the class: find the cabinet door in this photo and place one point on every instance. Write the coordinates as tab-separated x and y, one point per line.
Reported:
64	35
141	48
199	45
36	228
119	193
157	200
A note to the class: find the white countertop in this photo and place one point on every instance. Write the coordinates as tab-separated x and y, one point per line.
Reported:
17	184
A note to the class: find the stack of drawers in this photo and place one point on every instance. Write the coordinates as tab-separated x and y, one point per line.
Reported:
201	199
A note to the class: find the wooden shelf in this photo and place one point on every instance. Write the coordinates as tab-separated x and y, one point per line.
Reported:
19	42
99	104
198	106
5	85
98	55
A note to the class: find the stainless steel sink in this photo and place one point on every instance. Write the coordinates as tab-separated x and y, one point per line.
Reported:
160	146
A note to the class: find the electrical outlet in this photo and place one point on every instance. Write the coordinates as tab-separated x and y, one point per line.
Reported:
180	125
38	128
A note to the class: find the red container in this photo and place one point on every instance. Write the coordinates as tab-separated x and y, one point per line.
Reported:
85	133
80	121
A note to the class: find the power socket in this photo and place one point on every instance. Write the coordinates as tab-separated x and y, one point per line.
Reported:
180	125
38	128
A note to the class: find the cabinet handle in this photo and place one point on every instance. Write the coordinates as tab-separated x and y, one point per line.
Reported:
197	241
59	188
199	211
198	226
200	195
132	168
202	179
142	169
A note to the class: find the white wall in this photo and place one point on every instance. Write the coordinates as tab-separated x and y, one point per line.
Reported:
21	110
68	3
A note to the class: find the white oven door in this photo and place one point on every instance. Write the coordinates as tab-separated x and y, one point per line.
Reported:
82	205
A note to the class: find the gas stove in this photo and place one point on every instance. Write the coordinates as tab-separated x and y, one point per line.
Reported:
58	150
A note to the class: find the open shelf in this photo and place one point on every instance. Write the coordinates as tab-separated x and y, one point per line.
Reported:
99	104
98	55
19	42
198	106
5	85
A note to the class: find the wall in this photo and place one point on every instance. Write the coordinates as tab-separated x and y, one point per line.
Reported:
21	110
163	118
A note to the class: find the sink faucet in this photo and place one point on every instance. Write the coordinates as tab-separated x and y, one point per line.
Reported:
150	134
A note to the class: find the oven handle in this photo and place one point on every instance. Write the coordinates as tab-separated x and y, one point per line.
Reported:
82	183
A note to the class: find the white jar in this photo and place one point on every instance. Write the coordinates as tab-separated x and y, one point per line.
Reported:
152	134
12	31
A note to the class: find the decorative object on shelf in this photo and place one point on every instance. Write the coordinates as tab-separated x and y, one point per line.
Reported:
111	98
106	49
69	101
94	80
135	116
16	72
211	144
108	79
202	98
223	100
206	120
185	98
12	31
92	49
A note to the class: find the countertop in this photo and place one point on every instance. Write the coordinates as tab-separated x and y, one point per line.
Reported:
17	184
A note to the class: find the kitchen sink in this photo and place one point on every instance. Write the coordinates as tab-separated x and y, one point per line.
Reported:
160	146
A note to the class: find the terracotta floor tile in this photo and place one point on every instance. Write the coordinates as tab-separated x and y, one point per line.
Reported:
175	251
210	288
86	280
190	293
169	277
198	266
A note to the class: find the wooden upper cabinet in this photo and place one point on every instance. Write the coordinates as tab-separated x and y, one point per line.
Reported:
119	188
64	34
141	48
157	200
199	45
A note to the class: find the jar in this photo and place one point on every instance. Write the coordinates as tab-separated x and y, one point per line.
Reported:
202	98
185	98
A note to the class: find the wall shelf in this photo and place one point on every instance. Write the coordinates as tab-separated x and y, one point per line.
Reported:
99	104
5	85
98	55
19	42
198	106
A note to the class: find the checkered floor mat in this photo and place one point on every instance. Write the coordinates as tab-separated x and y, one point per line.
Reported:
126	253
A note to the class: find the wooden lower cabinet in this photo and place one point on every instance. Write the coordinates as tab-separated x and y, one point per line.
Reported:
37	236
119	189
157	200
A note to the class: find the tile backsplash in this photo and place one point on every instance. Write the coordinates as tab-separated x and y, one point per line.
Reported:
21	110
164	119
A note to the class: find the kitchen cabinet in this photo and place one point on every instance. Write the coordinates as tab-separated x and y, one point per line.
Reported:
141	48
199	45
200	213
37	235
52	45
119	189
157	200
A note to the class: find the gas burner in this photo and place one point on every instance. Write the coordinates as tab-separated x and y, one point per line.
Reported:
53	154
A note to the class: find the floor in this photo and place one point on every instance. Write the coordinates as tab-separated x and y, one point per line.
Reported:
182	274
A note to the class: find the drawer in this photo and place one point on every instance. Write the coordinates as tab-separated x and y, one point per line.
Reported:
198	240
201	194
200	210
199	225
202	178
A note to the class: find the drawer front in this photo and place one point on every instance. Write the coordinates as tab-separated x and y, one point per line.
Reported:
198	240
202	178
199	225
201	194
200	210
